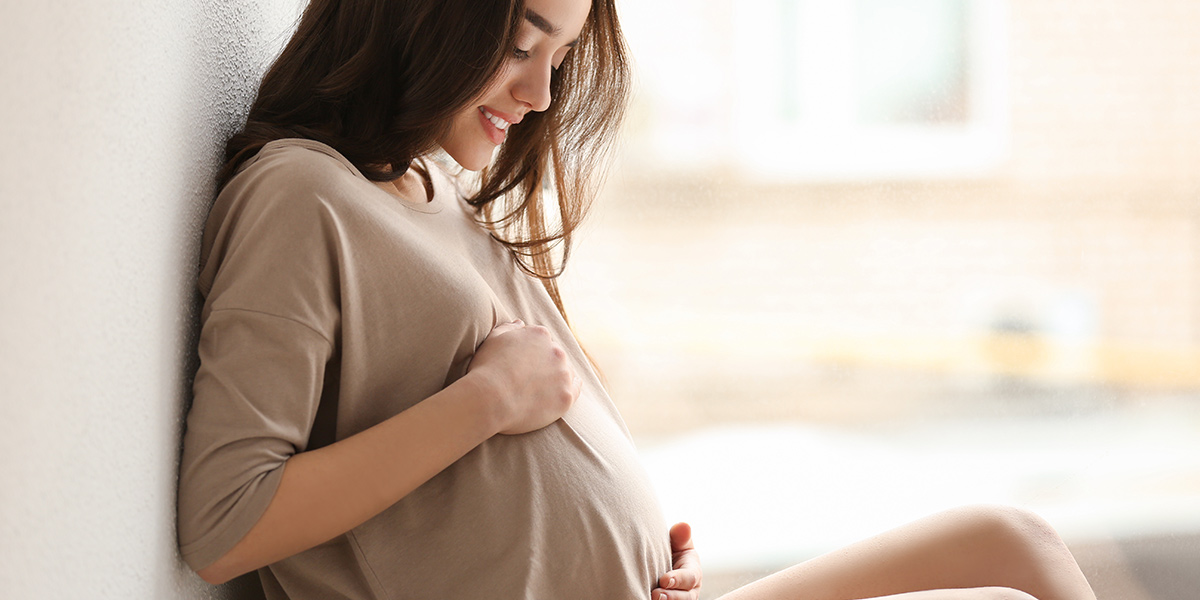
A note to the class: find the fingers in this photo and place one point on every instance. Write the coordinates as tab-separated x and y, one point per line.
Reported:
685	576
530	376
681	537
507	327
661	594
576	387
679	579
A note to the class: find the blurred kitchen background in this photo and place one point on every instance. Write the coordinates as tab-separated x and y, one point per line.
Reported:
863	260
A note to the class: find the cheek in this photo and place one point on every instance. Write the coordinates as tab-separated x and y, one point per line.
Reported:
465	142
464	122
460	128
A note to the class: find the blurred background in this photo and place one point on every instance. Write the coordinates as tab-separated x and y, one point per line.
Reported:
860	261
864	260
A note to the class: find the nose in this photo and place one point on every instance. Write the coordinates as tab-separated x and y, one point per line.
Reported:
532	85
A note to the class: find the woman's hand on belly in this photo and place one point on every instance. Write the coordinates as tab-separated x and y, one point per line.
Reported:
531	377
682	582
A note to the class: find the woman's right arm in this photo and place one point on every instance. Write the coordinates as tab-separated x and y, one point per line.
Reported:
519	381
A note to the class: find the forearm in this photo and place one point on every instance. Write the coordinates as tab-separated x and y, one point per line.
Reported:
327	492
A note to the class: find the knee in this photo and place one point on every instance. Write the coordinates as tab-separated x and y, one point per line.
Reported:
1016	526
1025	543
1027	552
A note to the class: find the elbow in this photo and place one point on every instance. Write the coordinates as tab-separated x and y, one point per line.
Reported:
219	572
212	576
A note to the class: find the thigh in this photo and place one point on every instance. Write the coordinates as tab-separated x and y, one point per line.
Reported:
974	547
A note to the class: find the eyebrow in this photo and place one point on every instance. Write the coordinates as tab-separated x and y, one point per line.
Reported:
545	26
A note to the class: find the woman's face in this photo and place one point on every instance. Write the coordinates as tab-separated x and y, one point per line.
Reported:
548	32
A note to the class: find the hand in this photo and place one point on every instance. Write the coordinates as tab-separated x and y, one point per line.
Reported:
531	377
682	582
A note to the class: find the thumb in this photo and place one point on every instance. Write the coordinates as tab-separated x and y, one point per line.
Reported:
576	387
681	537
507	327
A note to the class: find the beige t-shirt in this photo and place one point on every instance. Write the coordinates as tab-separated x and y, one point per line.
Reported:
330	306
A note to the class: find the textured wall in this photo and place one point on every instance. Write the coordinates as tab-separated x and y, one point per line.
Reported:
112	115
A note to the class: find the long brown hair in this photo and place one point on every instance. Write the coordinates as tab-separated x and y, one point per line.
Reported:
380	80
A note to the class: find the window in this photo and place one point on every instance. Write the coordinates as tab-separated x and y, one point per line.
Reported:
866	259
836	90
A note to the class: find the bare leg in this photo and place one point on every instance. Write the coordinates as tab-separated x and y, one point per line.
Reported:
981	552
989	593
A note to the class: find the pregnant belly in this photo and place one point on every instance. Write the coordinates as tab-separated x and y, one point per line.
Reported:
540	515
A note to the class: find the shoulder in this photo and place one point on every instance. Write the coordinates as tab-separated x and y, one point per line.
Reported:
294	169
289	181
280	209
297	154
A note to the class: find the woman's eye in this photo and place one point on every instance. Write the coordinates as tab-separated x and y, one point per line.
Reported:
520	54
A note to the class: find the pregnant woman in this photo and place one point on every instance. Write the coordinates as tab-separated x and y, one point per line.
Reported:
390	403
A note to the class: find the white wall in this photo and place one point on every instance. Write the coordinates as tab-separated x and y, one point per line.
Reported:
112	117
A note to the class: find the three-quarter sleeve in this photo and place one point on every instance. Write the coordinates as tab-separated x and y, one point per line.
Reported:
268	329
256	396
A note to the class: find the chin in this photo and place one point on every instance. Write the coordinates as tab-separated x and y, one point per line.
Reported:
475	159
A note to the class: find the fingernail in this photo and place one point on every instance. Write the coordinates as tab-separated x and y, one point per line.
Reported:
662	597
671	583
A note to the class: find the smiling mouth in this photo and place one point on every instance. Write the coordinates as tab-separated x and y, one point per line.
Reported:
500	124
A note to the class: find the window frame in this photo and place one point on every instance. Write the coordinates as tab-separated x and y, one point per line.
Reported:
827	141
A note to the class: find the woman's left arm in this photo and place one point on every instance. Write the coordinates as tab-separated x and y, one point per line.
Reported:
682	582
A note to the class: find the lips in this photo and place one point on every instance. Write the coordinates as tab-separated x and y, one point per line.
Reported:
500	124
495	124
